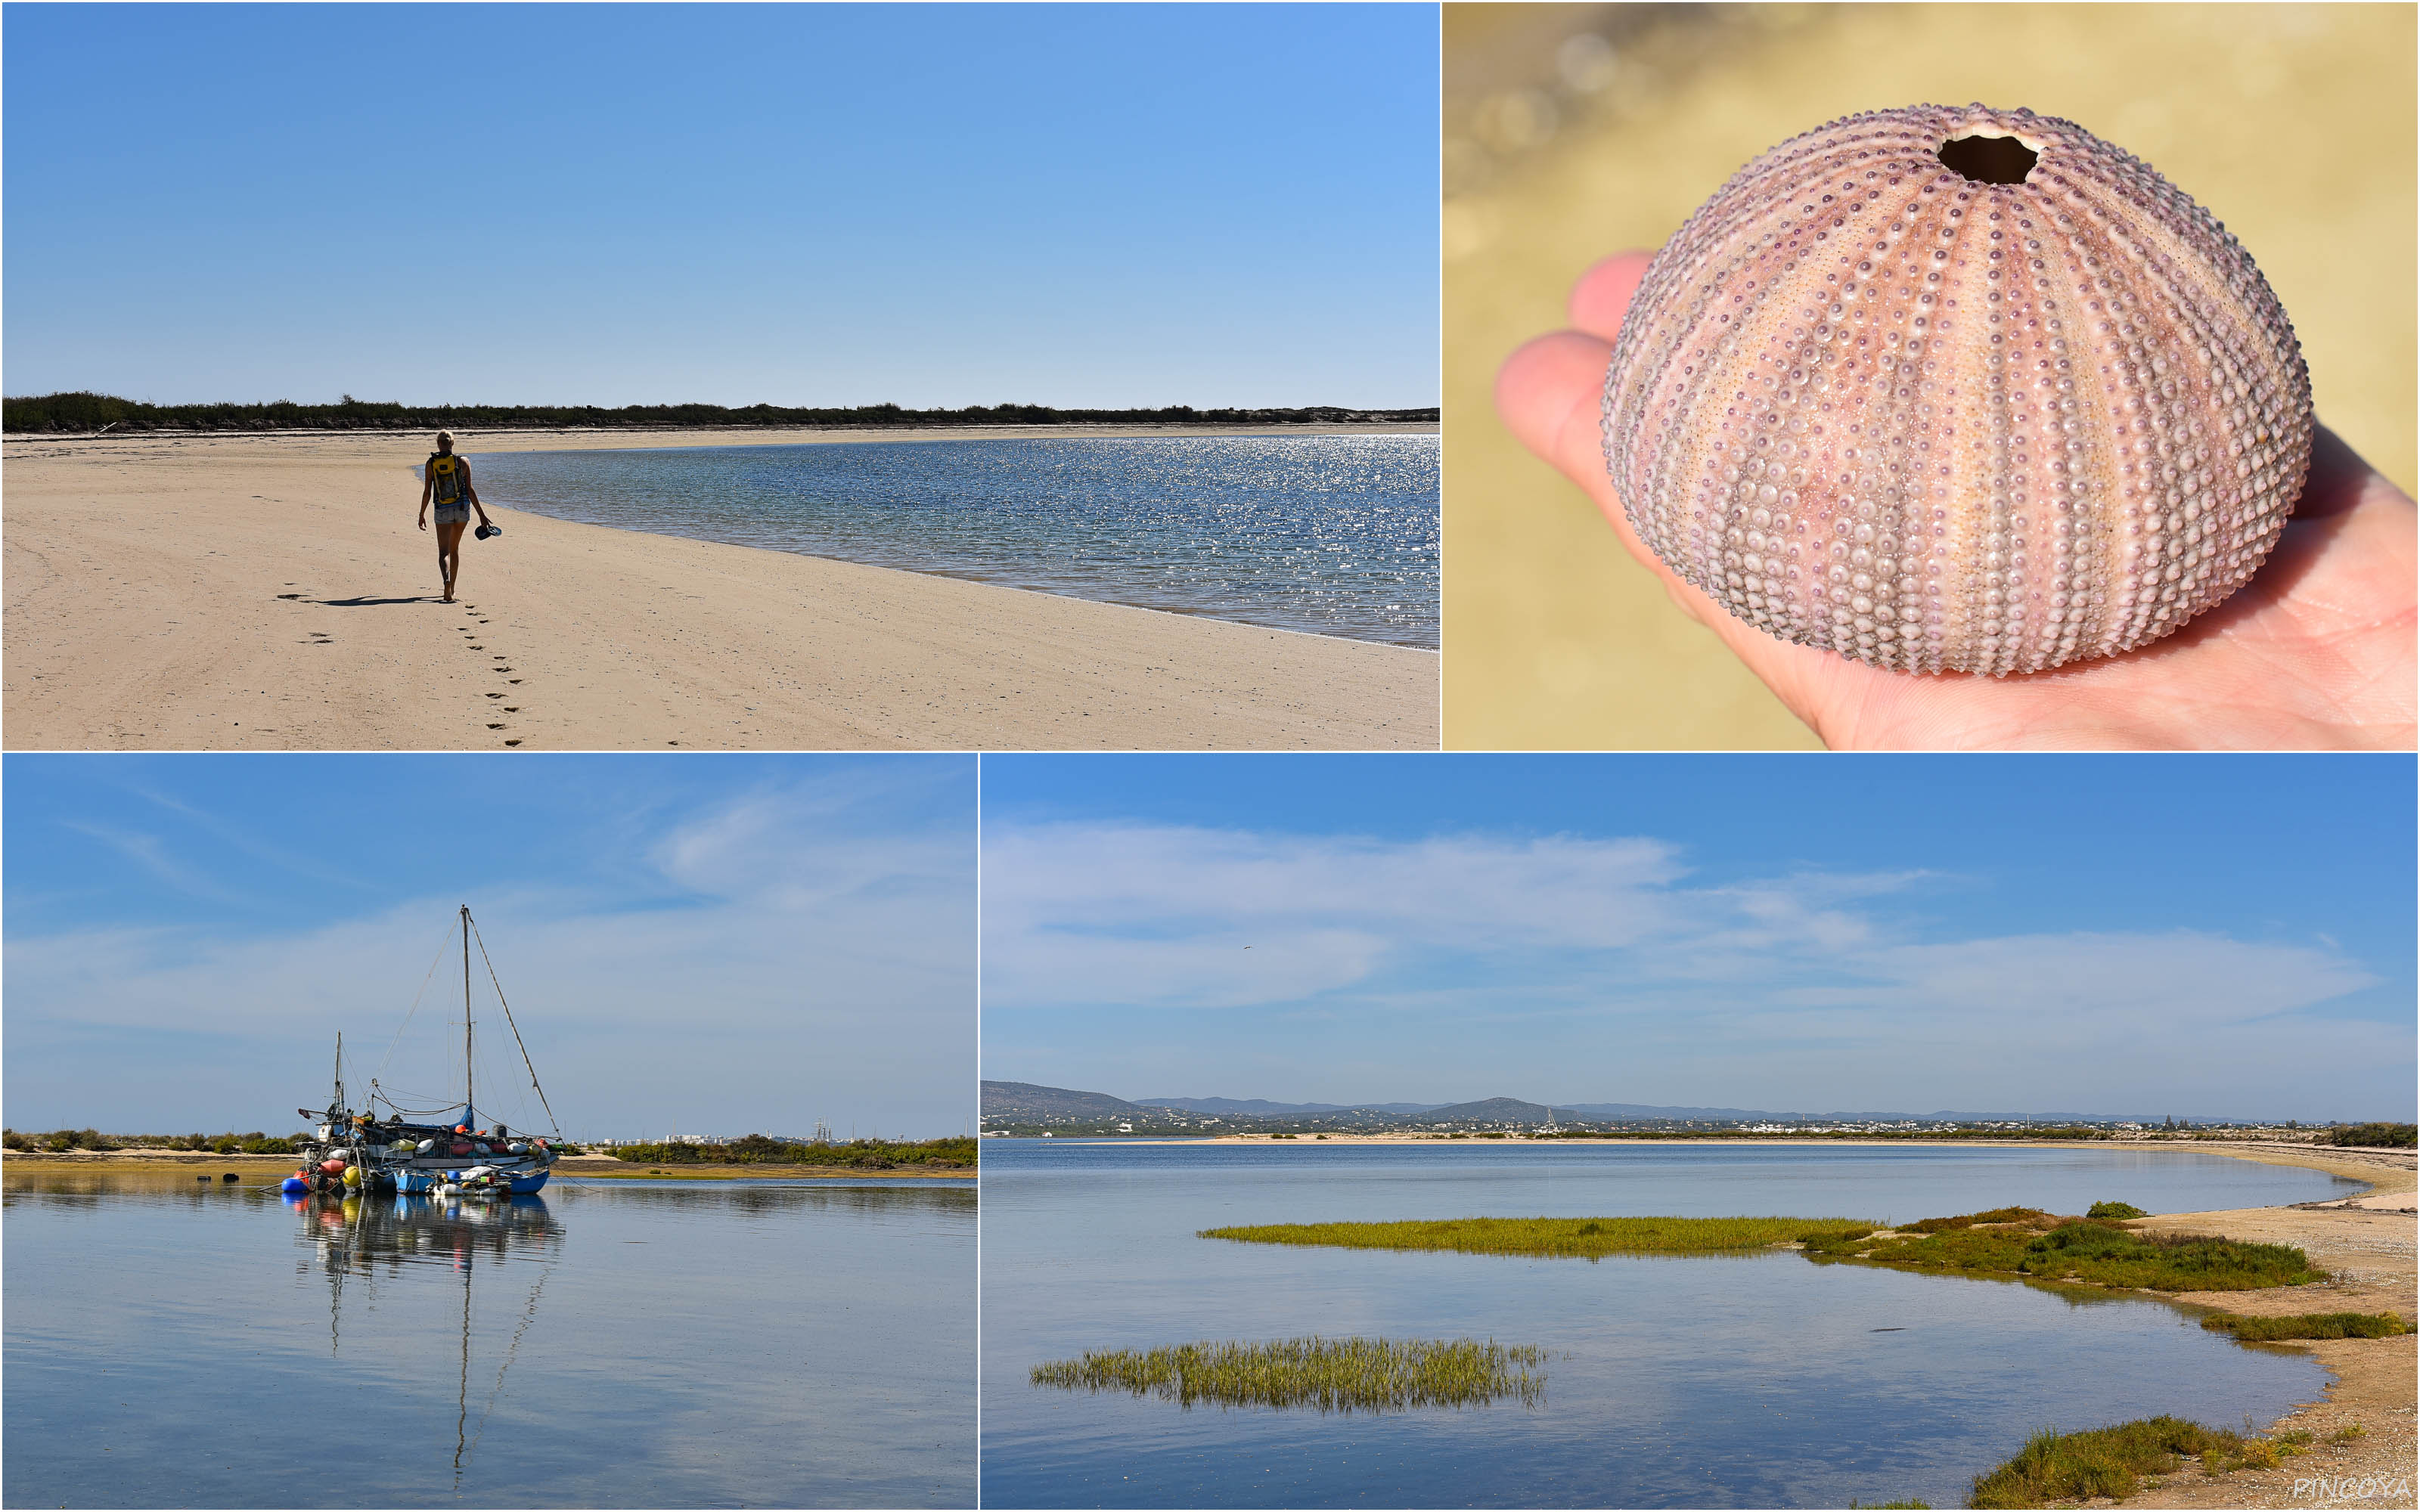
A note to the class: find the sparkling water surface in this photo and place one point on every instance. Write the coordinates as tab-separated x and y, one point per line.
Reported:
607	1344
1671	1382
1329	534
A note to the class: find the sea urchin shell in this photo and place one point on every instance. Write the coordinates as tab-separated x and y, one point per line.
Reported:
1957	389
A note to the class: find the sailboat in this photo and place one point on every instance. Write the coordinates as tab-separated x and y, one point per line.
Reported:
436	1151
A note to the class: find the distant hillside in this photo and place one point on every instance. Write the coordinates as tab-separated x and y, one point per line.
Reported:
1641	1111
1259	1107
1023	1100
70	413
1492	1110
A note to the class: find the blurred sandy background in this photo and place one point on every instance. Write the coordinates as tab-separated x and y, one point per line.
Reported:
1572	131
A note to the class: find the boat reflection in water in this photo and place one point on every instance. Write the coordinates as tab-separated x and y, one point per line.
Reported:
366	1242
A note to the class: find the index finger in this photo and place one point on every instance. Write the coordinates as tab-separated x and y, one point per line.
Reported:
1603	293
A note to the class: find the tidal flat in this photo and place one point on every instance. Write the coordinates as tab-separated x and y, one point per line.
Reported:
1743	1377
169	1342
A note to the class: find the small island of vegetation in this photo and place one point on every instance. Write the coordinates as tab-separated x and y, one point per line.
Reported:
2026	1242
2016	1241
1572	1238
1332	1375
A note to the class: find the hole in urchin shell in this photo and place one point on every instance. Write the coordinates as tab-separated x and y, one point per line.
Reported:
1988	159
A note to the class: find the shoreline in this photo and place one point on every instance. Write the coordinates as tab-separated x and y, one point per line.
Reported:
270	591
270	1168
2366	1243
2366	1240
640	439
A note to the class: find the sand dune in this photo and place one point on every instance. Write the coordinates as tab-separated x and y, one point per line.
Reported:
270	593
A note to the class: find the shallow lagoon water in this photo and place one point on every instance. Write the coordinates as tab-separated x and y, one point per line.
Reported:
1327	534
1765	1380
607	1344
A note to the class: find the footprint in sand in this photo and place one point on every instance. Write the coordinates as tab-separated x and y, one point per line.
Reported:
495	727
495	695
512	742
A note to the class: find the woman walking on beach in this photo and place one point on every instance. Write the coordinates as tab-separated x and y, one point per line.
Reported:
447	479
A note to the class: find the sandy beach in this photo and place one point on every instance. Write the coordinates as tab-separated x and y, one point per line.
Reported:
2366	1243
270	592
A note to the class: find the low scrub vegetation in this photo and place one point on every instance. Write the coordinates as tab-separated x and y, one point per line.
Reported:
2388	1136
1332	1375
762	1150
2308	1326
59	1141
86	411
2111	1461
1572	1238
2115	1211
2027	1242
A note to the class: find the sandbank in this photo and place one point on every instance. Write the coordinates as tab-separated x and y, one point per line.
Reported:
269	591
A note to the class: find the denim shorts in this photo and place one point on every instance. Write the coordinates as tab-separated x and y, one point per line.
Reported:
457	513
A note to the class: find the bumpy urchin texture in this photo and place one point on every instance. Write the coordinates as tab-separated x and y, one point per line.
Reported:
1987	418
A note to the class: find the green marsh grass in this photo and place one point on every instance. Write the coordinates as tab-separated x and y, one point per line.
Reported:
1344	1375
2019	1242
2111	1461
2308	1326
1561	1238
2026	1242
2115	1209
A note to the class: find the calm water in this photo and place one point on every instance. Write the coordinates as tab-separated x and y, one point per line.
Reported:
1329	535
1756	1381
613	1344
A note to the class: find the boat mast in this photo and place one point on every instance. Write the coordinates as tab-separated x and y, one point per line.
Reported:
467	1118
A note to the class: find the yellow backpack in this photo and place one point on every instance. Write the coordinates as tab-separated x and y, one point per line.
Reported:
448	469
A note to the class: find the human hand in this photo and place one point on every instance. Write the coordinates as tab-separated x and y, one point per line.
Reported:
2315	652
424	521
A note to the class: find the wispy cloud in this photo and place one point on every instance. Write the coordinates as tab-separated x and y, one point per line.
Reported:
246	839
1129	914
150	852
1606	968
798	951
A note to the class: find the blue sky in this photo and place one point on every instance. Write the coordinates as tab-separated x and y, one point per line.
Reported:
707	943
2208	936
807	205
